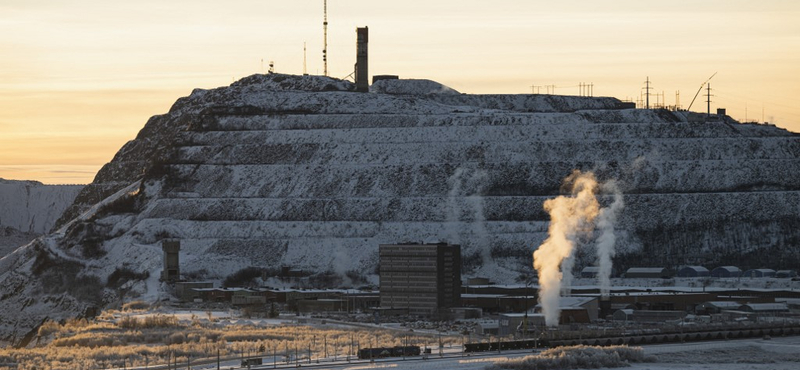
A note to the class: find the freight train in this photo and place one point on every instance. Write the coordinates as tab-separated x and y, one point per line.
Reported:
380	352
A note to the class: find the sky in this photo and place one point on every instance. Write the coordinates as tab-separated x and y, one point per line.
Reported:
80	78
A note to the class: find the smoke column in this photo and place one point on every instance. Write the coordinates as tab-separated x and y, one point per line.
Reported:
477	181
569	216
453	209
606	240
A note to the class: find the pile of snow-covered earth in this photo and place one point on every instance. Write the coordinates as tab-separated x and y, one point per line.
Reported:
29	209
33	207
301	171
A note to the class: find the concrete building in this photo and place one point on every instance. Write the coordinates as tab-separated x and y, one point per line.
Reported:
726	272
765	308
514	323
422	278
187	291
759	273
693	271
576	309
362	72
782	274
647	272
172	269
715	307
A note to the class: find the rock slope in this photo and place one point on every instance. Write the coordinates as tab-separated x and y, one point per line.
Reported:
302	171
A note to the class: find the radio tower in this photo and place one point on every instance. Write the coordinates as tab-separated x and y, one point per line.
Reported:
325	37
305	73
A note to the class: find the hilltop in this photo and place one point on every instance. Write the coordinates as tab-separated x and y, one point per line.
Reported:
302	171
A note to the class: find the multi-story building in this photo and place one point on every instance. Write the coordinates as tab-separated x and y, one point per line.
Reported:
424	279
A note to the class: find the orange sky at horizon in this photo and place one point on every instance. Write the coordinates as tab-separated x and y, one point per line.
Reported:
78	79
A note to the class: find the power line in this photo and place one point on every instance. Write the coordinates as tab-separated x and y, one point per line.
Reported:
708	98
647	89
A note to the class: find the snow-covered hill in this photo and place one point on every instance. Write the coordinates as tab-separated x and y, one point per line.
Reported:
302	171
32	207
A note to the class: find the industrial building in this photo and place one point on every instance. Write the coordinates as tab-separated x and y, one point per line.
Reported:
172	269
693	271
187	291
759	273
362	70
726	272
423	279
576	309
518	323
783	274
647	272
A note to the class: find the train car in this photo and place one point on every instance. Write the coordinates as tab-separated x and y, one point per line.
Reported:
400	351
370	353
504	345
251	361
381	352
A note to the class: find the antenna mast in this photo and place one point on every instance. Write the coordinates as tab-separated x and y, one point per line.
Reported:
325	37
305	73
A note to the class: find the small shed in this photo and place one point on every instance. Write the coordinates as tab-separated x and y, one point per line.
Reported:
693	271
726	272
647	272
783	274
759	273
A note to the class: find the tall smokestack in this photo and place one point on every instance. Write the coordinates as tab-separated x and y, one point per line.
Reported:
362	75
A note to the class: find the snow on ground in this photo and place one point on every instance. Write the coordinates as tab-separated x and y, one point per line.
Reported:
778	354
30	206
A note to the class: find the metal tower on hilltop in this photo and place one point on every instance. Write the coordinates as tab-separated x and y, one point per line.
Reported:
708	99
305	72
325	37
647	89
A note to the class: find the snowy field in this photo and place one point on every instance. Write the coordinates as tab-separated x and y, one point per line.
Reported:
782	353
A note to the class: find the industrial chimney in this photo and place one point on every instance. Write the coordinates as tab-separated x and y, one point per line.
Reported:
362	75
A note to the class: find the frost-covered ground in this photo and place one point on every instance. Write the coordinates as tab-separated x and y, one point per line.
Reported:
781	353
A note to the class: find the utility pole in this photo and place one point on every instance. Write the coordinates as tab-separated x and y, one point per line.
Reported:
305	72
647	89
677	100
708	99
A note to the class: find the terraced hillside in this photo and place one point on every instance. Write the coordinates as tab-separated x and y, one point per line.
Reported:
301	171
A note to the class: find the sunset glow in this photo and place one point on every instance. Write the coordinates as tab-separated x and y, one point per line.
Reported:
78	79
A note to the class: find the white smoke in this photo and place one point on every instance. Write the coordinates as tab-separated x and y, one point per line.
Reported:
461	183
607	239
571	217
453	208
477	181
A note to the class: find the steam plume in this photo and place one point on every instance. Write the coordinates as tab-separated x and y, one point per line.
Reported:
570	216
453	209
607	239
